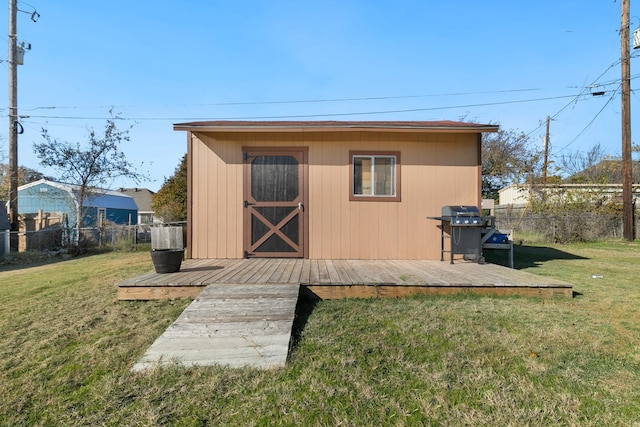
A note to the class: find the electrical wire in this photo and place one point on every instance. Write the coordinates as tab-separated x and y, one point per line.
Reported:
306	101
291	116
582	93
592	120
574	99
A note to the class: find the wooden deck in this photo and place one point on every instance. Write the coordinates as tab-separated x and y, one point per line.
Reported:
231	325
243	310
331	279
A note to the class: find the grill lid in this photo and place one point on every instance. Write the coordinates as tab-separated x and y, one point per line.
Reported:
452	211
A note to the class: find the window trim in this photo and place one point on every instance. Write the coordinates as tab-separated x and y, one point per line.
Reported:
361	198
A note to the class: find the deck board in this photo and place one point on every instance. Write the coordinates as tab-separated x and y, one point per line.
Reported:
323	272
269	270
224	275
305	273
338	265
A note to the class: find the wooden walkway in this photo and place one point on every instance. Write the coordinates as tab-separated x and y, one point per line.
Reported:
231	325
330	279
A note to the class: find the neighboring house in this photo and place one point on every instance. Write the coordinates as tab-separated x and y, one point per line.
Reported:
62	199
5	227
327	190
518	195
143	198
515	195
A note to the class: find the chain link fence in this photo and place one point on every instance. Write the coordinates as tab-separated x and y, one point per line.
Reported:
562	227
56	238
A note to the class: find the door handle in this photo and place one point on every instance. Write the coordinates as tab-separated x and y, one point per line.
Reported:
300	206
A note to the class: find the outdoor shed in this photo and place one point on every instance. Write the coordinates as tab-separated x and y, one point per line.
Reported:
327	189
52	197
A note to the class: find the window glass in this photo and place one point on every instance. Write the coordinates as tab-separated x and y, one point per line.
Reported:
362	176
146	218
374	176
384	176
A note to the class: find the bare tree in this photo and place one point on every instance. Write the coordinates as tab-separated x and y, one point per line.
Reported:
596	167
89	166
507	159
586	167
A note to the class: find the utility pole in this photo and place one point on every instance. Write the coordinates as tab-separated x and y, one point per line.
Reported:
546	153
13	124
627	190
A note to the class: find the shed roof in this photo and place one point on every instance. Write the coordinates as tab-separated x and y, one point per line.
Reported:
284	126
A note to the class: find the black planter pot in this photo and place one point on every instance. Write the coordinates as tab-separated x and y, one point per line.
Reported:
167	261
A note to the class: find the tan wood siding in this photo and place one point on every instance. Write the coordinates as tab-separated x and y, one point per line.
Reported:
437	169
216	198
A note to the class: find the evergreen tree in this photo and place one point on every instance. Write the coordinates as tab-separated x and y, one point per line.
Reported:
170	202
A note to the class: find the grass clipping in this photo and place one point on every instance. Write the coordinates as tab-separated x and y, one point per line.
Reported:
67	346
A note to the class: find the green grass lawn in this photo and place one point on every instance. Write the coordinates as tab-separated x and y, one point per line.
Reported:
66	346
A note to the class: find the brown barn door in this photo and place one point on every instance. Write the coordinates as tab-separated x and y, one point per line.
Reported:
274	202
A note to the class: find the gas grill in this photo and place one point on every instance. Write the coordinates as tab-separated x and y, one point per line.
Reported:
462	216
462	225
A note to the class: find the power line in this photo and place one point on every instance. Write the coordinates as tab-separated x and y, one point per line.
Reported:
574	99
594	83
305	101
588	125
291	116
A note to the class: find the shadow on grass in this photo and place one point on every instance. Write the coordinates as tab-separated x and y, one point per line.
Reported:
21	261
528	256
304	307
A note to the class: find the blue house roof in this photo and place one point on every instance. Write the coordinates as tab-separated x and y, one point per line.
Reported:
111	199
100	199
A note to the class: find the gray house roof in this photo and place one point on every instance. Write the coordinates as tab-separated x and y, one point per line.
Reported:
142	196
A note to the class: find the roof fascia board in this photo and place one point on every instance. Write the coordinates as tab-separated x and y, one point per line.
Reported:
333	128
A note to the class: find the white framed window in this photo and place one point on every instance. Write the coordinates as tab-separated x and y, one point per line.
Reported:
375	176
146	218
102	216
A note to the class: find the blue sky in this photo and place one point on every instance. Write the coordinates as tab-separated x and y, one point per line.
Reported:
163	62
